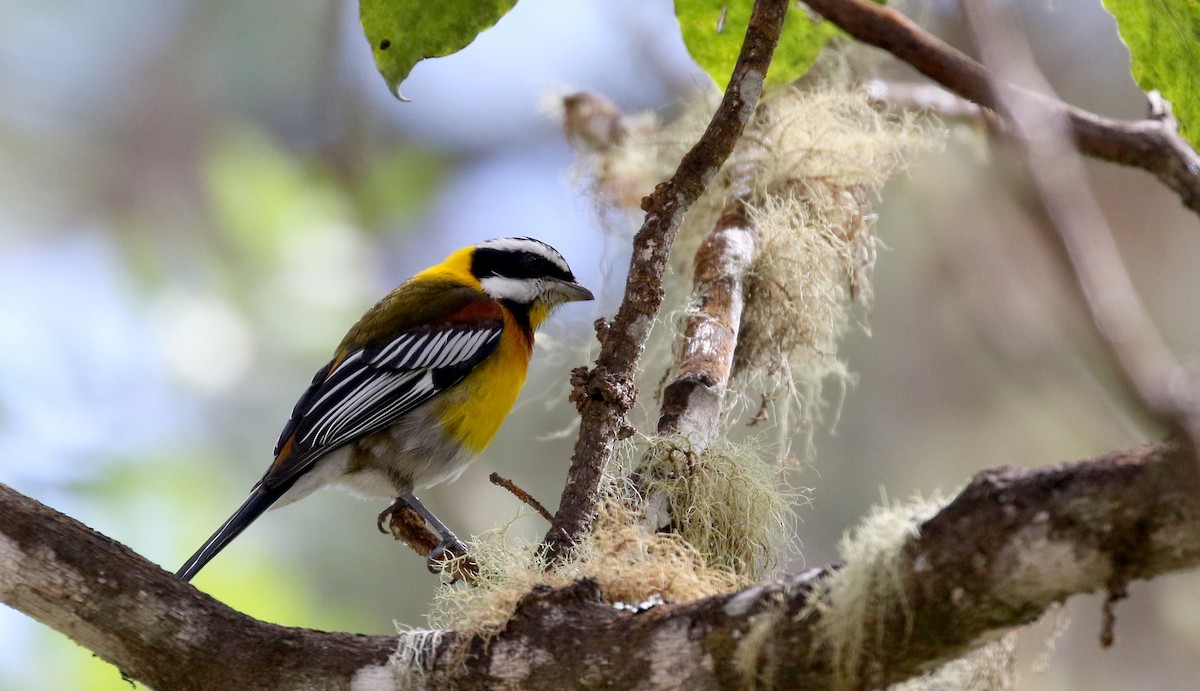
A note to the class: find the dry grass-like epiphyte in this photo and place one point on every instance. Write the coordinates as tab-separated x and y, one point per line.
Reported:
726	501
630	564
821	157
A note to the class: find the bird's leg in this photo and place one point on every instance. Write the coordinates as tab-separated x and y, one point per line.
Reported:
449	541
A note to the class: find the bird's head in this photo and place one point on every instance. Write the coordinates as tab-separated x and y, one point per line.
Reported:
526	273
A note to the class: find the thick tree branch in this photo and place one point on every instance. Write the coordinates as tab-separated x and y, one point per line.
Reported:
1011	544
1153	144
1016	540
152	626
606	392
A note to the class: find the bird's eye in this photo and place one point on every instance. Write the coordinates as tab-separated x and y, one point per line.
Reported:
532	262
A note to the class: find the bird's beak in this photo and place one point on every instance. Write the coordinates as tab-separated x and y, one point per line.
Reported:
569	291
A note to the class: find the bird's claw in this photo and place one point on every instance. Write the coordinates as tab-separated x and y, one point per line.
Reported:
446	550
384	518
396	512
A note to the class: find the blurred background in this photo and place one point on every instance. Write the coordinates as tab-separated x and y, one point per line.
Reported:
198	198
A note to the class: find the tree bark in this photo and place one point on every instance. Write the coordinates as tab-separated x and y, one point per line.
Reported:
1008	546
693	400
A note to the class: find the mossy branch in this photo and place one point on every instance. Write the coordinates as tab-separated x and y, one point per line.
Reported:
1008	546
605	393
1153	144
1017	540
692	402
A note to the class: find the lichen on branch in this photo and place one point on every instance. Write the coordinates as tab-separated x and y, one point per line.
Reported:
606	393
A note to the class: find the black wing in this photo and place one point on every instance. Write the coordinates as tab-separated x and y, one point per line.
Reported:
372	388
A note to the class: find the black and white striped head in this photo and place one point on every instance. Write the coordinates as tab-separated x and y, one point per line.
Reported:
525	271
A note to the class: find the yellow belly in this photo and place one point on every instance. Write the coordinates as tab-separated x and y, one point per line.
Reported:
473	411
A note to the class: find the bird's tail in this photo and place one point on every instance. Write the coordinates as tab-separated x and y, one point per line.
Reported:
260	500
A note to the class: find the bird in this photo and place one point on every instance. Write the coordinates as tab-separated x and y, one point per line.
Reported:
417	388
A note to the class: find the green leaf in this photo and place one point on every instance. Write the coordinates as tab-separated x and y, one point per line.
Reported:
405	32
713	31
1163	37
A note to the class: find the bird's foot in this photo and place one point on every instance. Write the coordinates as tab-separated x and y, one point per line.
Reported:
408	520
448	549
385	516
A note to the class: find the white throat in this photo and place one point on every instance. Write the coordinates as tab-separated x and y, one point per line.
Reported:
522	290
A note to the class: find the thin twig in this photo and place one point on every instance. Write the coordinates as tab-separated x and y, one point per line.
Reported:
1153	144
521	495
605	393
930	98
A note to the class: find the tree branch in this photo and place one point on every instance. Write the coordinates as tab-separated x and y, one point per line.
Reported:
152	626
930	98
1008	546
605	393
692	401
1016	540
1011	544
1153	144
1063	199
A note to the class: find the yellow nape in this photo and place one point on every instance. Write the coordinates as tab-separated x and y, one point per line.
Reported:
456	267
